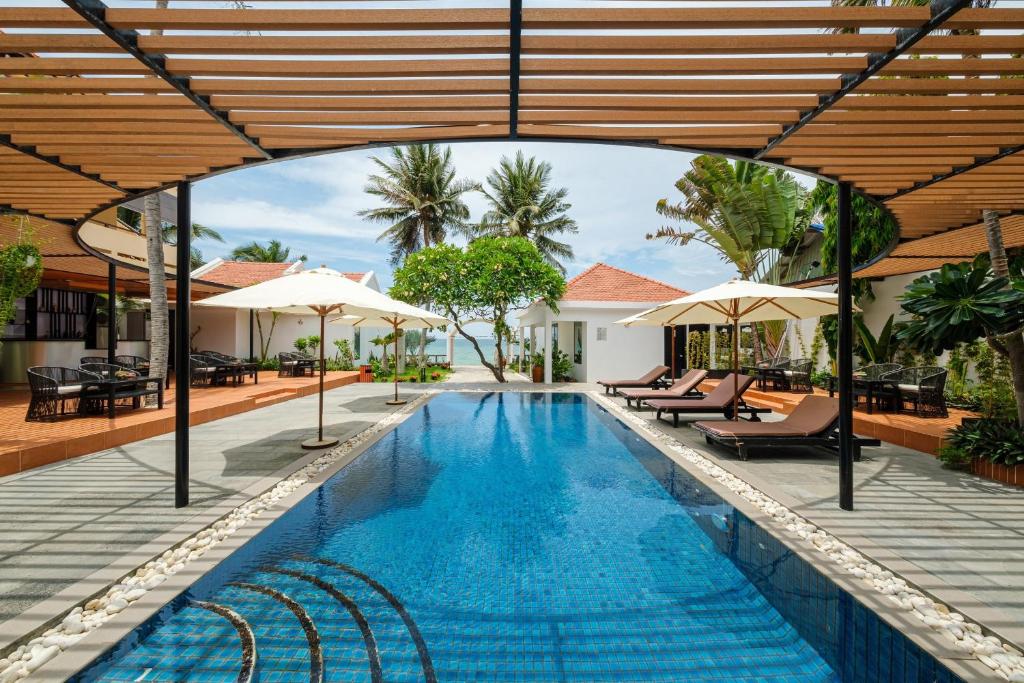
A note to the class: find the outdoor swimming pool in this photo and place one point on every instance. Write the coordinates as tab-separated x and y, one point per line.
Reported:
515	536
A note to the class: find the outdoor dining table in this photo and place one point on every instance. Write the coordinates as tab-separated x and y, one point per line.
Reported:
113	389
762	375
238	370
872	387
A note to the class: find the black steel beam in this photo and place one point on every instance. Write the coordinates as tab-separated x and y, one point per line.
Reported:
844	352
941	12
94	11
182	366
515	50
111	312
29	150
959	170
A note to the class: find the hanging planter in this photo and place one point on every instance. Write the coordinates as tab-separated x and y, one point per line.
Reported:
21	269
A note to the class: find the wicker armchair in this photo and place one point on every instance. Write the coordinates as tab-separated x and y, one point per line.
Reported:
773	362
222	357
136	363
91	359
886	393
921	390
797	375
52	389
287	364
202	369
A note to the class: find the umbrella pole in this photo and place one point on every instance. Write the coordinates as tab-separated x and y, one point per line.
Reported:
395	401
735	368
320	441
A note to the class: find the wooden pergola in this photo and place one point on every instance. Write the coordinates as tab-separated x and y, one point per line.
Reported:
918	108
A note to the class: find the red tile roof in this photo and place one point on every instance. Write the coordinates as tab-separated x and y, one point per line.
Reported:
602	282
246	273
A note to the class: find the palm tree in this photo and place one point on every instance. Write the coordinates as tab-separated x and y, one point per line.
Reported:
272	252
523	205
199	232
422	198
749	214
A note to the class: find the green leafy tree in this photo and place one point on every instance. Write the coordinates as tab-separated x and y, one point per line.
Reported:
422	199
484	281
523	204
960	303
199	232
272	252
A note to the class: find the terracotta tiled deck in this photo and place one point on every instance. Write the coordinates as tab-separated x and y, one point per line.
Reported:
24	445
919	433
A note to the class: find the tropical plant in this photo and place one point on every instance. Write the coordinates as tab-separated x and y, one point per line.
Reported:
561	365
272	252
698	350
872	229
523	204
265	340
485	281
301	344
961	303
872	349
750	214
313	342
994	440
344	356
21	269
422	198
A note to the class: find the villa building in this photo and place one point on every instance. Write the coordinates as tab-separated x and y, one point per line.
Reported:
584	329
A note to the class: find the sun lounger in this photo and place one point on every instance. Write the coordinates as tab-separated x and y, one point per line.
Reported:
647	381
813	422
682	387
719	400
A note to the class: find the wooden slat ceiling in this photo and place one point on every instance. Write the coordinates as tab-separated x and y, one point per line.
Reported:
902	102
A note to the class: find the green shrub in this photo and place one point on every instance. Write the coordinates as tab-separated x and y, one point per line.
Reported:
955	458
997	441
561	366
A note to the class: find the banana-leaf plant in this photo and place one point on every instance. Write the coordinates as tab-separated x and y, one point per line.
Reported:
872	349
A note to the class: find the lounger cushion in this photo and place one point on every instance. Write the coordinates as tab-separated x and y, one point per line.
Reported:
814	416
648	379
679	388
719	397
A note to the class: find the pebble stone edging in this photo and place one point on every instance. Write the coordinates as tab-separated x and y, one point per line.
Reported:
30	655
1006	661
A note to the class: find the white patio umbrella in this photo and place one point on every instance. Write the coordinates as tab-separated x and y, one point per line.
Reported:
321	291
411	318
738	301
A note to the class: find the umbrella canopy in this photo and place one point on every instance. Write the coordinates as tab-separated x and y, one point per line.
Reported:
319	290
322	291
738	301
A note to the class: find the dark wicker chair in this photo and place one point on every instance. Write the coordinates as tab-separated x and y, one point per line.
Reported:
203	369
287	363
91	359
886	393
772	373
136	363
797	374
921	390
52	389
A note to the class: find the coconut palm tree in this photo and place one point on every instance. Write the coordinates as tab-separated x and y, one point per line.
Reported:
272	252
422	199
199	232
522	204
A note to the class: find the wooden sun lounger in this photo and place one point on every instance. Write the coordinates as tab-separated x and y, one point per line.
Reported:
647	381
685	386
719	400
813	422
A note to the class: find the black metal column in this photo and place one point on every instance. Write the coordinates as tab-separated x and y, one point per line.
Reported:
111	312
182	367
252	356
845	346
515	41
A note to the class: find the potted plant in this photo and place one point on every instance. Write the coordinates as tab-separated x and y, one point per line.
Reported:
537	371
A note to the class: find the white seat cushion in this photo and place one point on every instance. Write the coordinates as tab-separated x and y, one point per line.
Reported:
69	389
787	373
909	388
290	362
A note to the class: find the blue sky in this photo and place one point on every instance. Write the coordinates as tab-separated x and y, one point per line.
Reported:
311	205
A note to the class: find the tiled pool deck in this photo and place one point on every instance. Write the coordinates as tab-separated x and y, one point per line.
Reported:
69	529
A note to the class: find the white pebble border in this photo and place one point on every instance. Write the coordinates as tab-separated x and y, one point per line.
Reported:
1006	661
87	617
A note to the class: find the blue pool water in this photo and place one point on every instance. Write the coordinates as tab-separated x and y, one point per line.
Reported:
526	537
